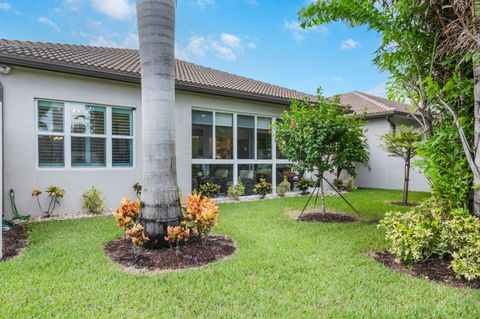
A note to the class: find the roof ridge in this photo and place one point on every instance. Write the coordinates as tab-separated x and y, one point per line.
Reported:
366	97
38	44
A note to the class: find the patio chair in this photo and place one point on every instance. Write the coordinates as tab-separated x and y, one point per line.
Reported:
16	215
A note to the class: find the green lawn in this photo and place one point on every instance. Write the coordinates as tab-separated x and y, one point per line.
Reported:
282	269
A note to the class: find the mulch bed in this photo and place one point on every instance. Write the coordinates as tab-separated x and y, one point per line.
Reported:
435	268
193	254
14	241
320	217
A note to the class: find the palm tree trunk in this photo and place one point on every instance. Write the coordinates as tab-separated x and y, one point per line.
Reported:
160	199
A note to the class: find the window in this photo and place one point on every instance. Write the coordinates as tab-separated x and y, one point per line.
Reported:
245	136
224	136
227	148
51	137
264	138
122	137
250	174
202	123
286	171
279	152
87	137
215	173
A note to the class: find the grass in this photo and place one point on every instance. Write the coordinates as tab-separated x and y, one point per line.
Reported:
283	268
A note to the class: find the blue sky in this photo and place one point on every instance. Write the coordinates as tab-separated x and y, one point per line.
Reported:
260	39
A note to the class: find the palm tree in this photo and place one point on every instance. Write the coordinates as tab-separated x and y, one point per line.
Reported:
160	198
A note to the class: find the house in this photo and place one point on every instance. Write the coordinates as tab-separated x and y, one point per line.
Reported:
383	116
72	118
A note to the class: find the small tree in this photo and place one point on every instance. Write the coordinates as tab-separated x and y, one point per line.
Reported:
311	133
401	143
352	147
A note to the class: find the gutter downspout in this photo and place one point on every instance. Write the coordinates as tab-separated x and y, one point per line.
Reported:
392	125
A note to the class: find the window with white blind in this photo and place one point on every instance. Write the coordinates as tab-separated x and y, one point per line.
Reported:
84	135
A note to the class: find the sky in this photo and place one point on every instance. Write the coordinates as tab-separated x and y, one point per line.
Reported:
259	39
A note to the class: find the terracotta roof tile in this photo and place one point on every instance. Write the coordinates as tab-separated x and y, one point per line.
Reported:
126	62
372	105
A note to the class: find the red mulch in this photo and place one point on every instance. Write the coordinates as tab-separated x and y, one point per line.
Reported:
14	240
192	254
435	268
328	217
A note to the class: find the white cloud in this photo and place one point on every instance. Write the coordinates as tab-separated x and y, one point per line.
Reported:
204	3
349	44
230	40
223	52
197	45
379	90
49	23
73	5
225	46
130	41
298	33
5	6
116	9
252	3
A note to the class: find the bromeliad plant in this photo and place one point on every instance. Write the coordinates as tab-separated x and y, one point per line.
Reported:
54	193
126	217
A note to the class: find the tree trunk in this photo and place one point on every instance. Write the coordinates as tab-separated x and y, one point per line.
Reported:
476	177
406	180
160	199
322	189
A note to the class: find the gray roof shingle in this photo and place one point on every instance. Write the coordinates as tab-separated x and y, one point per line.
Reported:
124	64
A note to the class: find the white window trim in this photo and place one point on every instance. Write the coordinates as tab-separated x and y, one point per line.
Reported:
67	134
235	161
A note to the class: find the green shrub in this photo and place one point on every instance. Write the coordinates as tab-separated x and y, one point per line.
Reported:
444	164
283	187
93	201
417	234
137	188
462	234
304	184
263	188
210	189
338	183
349	185
235	191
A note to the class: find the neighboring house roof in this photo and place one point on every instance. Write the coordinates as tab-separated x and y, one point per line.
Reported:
124	65
372	106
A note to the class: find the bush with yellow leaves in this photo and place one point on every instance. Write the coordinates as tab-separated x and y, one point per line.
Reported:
126	217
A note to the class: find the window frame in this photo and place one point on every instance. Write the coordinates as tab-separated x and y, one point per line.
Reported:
67	135
273	161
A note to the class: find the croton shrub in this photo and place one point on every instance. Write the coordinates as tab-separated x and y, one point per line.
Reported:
126	217
200	214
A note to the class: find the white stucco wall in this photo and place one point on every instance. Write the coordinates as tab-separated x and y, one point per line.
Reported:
21	88
386	171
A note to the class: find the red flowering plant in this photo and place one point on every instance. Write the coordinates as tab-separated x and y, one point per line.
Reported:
126	217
